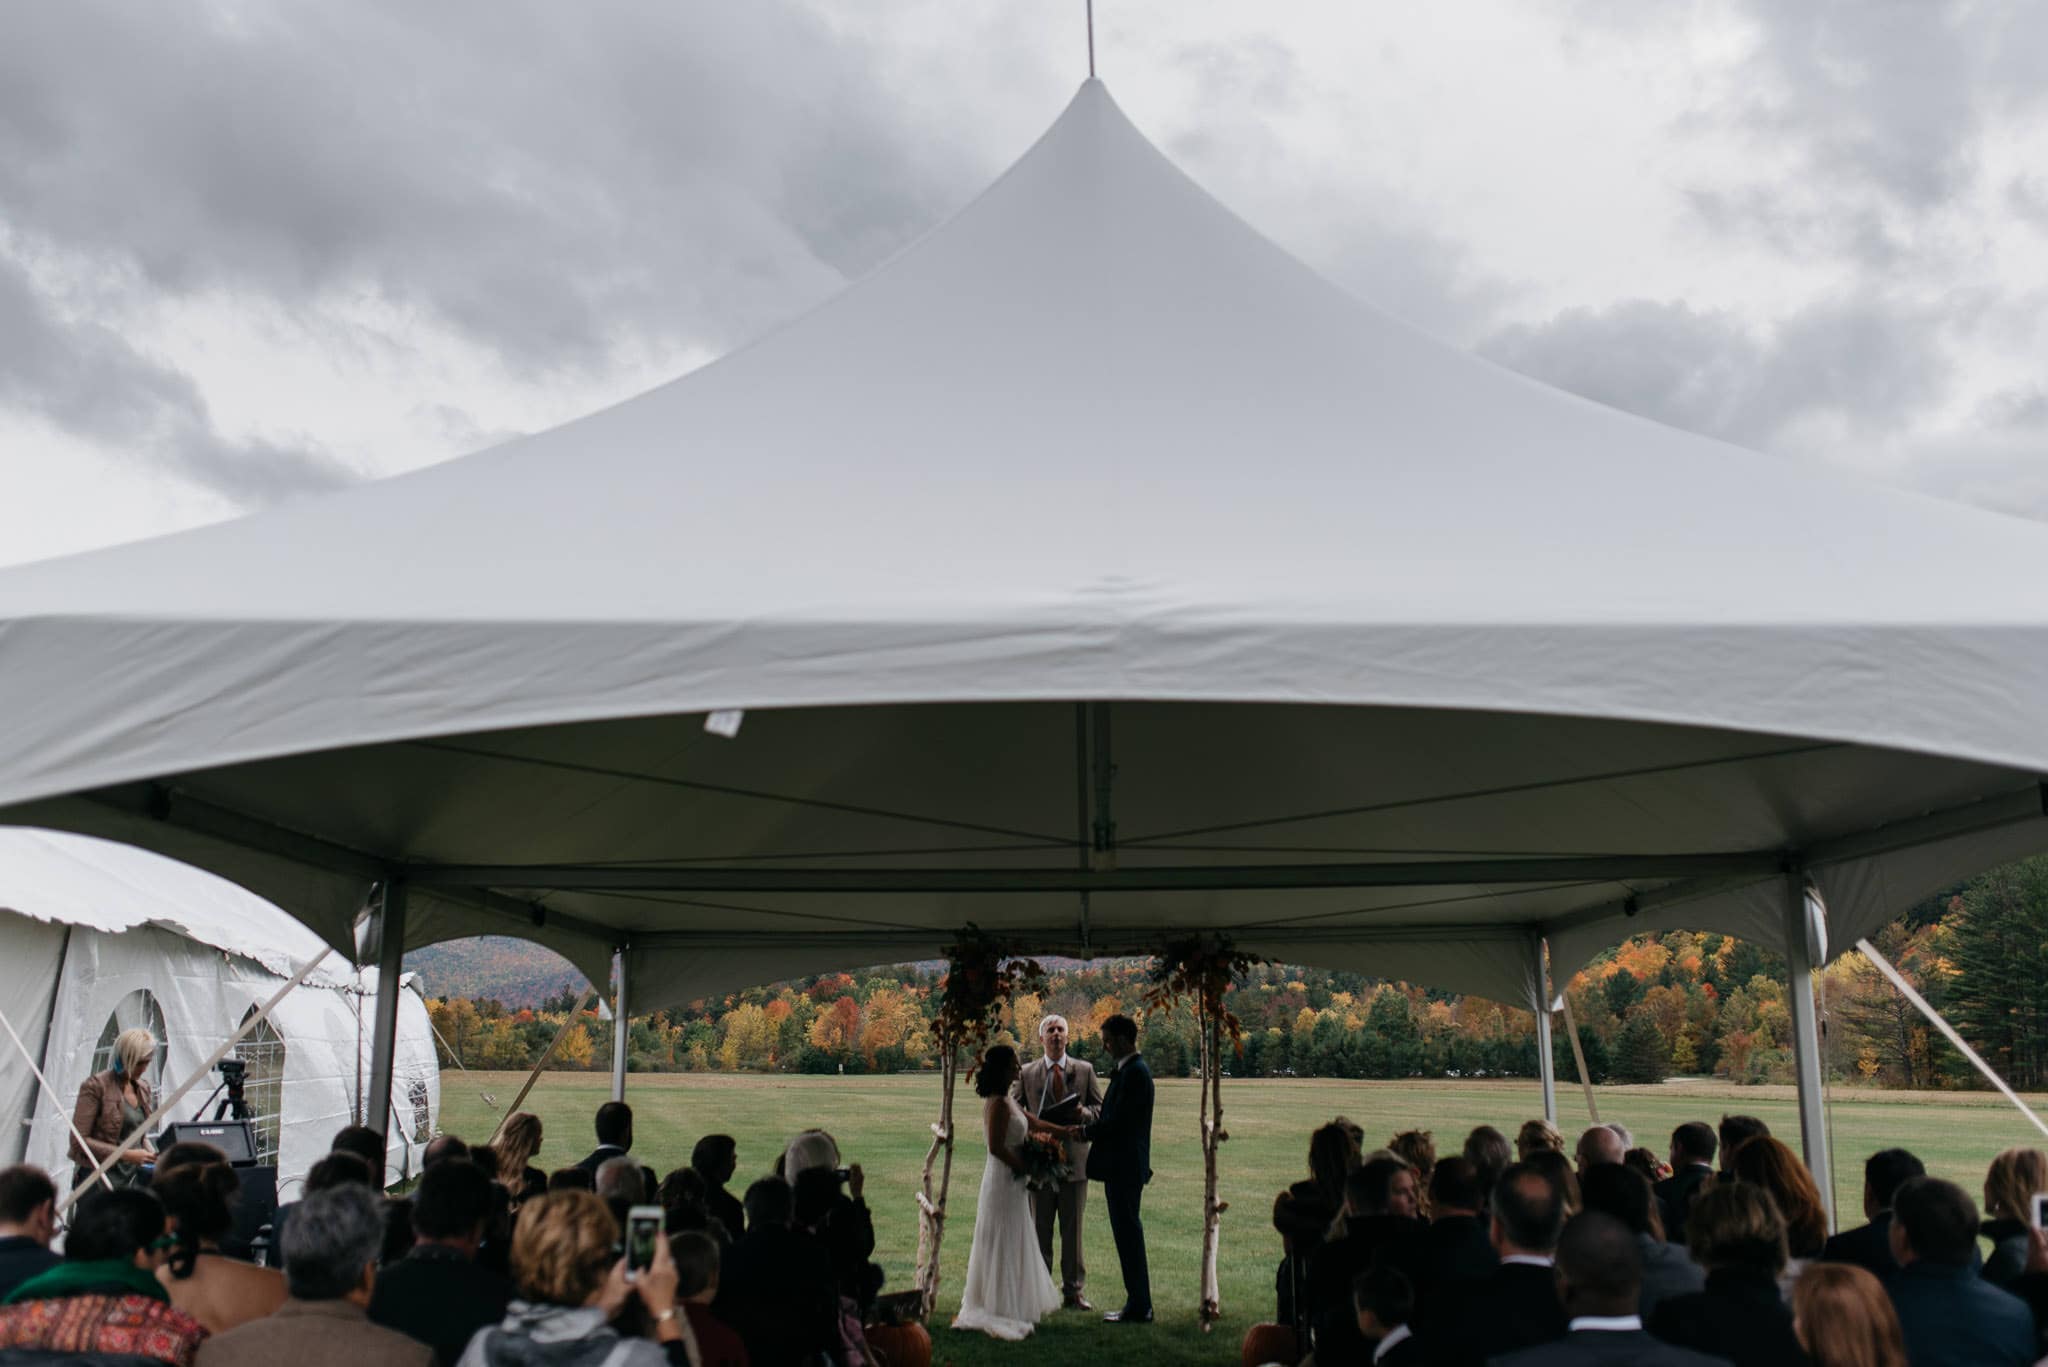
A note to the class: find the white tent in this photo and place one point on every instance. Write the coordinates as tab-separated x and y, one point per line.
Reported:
97	937
1092	570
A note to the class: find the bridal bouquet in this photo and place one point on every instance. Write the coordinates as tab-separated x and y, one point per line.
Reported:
1045	1163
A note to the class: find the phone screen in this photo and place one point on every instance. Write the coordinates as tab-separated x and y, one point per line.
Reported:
2041	1210
643	1227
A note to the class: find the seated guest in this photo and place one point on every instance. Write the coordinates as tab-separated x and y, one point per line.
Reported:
1621	1131
28	1221
438	1293
1844	1319
681	1199
622	1184
1949	1314
1486	1149
572	1283
104	1297
1692	1164
1517	1305
1417	1148
1537	1136
1771	1164
1738	1237
1553	1164
1598	1279
218	1291
1625	1195
697	1256
1385	1305
1735	1131
366	1144
330	1265
440	1149
1381	1229
345	1162
1645	1162
572	1179
517	1143
2015	1177
1302	1214
1599	1144
1869	1245
1459	1246
776	1286
716	1158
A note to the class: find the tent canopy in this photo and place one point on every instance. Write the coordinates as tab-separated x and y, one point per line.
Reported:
1092	570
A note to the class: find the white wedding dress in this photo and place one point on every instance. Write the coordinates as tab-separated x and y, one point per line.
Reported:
1008	1287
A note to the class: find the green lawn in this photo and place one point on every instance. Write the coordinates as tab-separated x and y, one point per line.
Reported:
881	1123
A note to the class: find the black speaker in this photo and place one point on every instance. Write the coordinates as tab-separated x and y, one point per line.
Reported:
235	1138
256	1209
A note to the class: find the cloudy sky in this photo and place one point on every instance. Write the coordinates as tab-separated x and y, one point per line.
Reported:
251	251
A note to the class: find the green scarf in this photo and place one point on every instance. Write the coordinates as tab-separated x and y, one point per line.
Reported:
112	1277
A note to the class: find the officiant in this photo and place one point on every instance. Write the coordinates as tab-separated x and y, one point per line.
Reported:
1062	1090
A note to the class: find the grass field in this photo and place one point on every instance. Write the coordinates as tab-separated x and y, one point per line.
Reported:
881	1123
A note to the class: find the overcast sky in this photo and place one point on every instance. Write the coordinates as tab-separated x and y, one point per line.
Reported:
251	251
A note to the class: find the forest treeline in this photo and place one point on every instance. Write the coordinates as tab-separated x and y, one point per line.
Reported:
1681	1003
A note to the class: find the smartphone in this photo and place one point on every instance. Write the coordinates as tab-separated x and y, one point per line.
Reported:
2041	1210
643	1228
843	1174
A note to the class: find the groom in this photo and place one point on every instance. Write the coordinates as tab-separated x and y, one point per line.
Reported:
1121	1159
1058	1087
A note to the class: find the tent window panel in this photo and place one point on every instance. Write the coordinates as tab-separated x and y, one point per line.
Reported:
262	1055
137	1008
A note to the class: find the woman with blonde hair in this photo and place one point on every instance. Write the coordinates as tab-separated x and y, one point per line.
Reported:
2015	1178
517	1143
1537	1136
1771	1164
112	1104
1844	1318
572	1282
1417	1148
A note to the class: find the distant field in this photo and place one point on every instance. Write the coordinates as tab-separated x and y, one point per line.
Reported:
881	1122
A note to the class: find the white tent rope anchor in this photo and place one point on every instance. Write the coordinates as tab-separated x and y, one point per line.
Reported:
249	1022
44	1089
1906	989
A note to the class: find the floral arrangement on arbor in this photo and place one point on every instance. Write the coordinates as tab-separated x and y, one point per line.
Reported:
983	975
1201	970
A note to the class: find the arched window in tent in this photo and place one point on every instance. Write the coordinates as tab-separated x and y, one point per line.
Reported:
262	1055
137	1008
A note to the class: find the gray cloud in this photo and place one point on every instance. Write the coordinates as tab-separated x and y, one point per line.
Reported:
86	380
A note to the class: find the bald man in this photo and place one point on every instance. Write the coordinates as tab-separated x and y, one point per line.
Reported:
1600	1145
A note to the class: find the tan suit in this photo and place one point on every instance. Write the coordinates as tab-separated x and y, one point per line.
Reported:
313	1334
1036	1090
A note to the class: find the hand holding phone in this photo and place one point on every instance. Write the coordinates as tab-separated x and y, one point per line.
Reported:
643	1233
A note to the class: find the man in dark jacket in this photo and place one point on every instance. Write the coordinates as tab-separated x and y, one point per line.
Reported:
28	1219
1459	1247
1121	1159
1381	1229
1869	1246
1599	1281
614	1127
715	1159
1950	1315
438	1293
776	1287
1667	1269
1517	1306
1692	1163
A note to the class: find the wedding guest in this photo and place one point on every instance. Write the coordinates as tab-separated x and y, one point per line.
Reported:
1645	1162
517	1143
571	1285
614	1125
1948	1314
1624	1194
1303	1213
1418	1149
716	1158
1459	1244
1553	1164
1771	1164
1487	1150
1385	1306
1517	1305
366	1144
439	1293
28	1221
441	1148
697	1258
622	1184
840	1221
112	1104
682	1201
1844	1319
1537	1136
1599	1282
1598	1145
104	1297
1380	1229
218	1291
2012	1182
1621	1131
1735	1131
776	1288
1738	1237
330	1262
1692	1163
1869	1245
572	1179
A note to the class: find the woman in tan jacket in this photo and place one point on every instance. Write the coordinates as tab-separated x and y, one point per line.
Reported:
111	1103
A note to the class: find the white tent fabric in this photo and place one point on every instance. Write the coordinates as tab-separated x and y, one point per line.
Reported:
86	926
1078	570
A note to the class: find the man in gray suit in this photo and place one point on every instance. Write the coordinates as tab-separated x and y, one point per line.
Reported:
1063	1089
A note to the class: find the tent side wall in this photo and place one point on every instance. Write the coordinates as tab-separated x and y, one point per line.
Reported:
30	968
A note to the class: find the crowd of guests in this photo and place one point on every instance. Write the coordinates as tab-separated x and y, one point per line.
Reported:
1522	1255
488	1262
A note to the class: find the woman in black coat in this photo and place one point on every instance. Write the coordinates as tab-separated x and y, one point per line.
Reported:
1737	1235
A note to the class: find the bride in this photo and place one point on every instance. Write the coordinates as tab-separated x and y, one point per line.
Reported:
1008	1287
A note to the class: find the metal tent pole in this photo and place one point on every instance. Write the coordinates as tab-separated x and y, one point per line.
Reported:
1806	1055
1545	1068
619	1025
384	1043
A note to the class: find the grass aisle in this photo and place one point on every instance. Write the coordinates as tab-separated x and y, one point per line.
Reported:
881	1123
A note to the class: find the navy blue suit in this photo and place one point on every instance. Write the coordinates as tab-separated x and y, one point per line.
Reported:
1121	1159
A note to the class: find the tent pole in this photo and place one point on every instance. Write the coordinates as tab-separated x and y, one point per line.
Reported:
384	1042
1545	1069
619	1025
1806	1054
